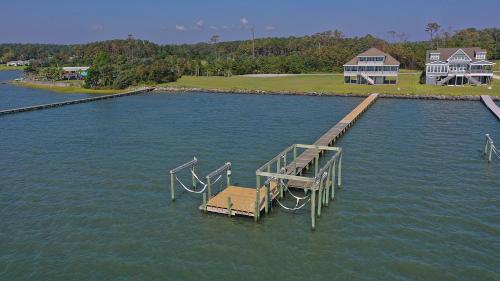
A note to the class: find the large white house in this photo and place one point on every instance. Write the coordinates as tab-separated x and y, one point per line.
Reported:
458	66
372	67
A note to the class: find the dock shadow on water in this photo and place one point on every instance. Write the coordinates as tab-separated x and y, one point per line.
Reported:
85	191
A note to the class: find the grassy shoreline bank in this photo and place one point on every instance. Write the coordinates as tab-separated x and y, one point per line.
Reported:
407	86
4	67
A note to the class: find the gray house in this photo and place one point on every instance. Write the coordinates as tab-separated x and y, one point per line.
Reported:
458	66
372	67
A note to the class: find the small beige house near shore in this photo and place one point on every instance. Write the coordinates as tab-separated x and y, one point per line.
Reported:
372	67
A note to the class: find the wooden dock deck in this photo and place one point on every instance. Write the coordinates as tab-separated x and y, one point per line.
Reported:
63	103
491	105
242	200
305	159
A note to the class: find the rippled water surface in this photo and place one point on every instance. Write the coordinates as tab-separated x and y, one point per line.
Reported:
84	191
12	96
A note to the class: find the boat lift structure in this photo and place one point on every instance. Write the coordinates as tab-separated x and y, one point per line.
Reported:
274	181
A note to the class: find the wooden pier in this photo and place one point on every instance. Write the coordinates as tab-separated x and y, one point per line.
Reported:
491	105
63	103
305	159
275	178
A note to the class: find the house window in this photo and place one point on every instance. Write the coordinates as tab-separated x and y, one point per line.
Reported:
480	55
434	56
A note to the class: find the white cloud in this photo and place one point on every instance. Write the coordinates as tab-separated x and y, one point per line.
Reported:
96	27
244	21
180	28
225	27
213	27
199	23
270	27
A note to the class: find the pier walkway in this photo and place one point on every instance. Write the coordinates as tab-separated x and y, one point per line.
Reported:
305	159
63	103
491	105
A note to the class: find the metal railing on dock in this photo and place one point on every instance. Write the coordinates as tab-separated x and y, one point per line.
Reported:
490	149
63	103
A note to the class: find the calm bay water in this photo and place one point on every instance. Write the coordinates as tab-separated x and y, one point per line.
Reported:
84	190
12	96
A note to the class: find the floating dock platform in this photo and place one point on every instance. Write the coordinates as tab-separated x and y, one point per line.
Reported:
241	199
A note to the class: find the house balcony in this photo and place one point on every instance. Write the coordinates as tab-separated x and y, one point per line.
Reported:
460	72
482	72
371	73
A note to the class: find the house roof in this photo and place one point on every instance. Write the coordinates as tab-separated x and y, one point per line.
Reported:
446	53
374	52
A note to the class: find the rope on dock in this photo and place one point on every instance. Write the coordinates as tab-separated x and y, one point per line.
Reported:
294	208
297	199
196	177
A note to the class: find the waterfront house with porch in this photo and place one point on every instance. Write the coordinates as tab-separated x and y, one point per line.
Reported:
458	66
372	67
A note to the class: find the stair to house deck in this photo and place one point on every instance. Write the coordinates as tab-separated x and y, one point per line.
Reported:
448	78
368	79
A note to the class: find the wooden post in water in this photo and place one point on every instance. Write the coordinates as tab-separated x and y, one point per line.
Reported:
266	197
172	186
257	200
229	206
316	165
320	197
489	154
313	207
295	159
333	179
209	189
228	177
192	176
204	202
340	171
487	143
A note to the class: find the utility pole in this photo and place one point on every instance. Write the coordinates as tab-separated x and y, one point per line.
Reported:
253	42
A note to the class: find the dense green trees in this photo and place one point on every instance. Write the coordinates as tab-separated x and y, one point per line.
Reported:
120	63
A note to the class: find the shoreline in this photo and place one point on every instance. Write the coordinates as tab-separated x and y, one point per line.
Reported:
73	89
319	94
68	89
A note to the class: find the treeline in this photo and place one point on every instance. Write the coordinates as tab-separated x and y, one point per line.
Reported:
118	63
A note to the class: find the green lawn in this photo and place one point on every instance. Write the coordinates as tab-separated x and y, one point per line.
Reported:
4	67
408	84
496	67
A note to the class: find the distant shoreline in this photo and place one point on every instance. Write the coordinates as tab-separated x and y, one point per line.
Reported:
318	94
173	89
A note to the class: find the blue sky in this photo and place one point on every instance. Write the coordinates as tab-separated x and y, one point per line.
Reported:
189	21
